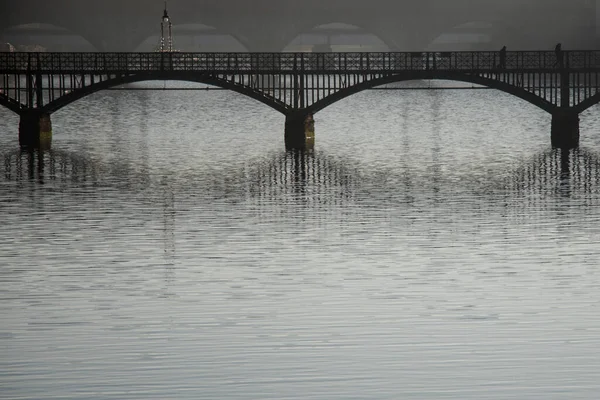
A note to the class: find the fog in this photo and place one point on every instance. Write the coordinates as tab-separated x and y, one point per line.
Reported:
312	25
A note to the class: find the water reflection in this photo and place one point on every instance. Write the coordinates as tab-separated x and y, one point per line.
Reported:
563	173
158	268
169	238
42	166
311	177
56	165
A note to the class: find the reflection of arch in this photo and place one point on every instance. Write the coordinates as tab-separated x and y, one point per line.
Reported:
46	165
295	172
280	177
425	75
181	76
371	40
218	40
46	37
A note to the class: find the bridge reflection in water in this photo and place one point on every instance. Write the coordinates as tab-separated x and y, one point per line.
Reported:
43	166
292	175
313	178
574	173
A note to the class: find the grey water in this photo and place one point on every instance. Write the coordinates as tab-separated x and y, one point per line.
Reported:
432	246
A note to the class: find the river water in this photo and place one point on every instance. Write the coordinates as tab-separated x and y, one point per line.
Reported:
433	246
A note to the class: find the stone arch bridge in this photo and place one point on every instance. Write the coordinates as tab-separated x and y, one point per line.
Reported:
564	84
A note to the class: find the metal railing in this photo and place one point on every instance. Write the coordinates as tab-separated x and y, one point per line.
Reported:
277	63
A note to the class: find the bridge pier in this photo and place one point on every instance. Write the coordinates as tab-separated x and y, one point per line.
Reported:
565	128
299	131
35	130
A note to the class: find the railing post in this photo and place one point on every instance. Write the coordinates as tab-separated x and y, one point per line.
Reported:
29	83
82	69
295	77
565	85
302	77
39	93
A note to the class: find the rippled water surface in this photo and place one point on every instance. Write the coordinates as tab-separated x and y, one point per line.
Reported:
433	246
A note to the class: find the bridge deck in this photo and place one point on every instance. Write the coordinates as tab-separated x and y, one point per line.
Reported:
277	63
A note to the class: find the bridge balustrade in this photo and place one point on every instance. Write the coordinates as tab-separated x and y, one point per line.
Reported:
289	62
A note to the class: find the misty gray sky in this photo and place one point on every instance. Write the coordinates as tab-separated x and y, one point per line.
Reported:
275	25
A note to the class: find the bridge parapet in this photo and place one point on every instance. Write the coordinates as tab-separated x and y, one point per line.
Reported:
292	62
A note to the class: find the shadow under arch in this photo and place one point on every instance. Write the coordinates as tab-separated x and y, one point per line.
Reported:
330	28
154	76
434	75
32	35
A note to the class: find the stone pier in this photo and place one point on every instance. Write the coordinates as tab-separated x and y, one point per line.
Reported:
299	131
565	129
35	130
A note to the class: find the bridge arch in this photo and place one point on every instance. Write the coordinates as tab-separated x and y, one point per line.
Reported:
588	103
10	104
208	79
428	75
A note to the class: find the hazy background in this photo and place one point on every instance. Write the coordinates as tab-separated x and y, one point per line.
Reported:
311	25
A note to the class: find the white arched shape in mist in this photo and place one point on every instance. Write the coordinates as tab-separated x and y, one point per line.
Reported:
467	36
45	37
336	37
476	35
196	38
